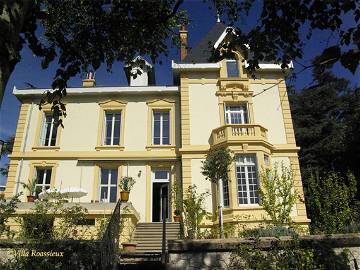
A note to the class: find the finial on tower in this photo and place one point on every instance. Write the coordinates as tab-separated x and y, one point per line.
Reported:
218	16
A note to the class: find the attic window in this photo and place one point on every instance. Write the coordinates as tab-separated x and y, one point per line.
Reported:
232	68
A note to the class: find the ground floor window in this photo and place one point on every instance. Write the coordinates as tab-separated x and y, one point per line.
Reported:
43	179
247	179
108	185
226	201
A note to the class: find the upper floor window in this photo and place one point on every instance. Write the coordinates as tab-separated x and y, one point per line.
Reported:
112	128
247	179
232	68
49	131
108	185
161	127
43	179
236	114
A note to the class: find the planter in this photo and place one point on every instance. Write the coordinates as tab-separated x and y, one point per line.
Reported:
31	198
2	195
124	196
177	219
129	247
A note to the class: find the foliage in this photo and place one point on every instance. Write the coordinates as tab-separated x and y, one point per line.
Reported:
176	196
194	211
126	183
275	36
326	121
287	256
331	196
272	231
7	208
277	195
7	149
31	186
216	165
177	212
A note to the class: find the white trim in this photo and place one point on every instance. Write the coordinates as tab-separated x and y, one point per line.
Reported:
223	35
271	66
99	90
202	66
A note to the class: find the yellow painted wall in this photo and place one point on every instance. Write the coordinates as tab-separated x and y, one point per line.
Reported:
201	183
268	112
135	125
204	112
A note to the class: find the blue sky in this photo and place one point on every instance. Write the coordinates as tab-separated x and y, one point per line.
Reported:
202	20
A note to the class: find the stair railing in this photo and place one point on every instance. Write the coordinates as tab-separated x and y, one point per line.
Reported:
110	241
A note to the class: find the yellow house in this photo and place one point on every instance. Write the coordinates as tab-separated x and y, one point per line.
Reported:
160	135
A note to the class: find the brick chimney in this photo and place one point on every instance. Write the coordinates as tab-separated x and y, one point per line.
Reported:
90	80
183	42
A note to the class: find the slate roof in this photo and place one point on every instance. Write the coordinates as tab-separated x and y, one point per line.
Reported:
202	51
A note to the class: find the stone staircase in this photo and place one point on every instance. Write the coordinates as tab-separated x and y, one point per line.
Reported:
148	236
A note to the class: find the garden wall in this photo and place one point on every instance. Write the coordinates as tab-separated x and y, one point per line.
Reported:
216	253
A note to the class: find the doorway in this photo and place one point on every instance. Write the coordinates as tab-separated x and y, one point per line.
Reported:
160	188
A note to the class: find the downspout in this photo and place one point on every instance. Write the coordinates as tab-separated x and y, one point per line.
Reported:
24	148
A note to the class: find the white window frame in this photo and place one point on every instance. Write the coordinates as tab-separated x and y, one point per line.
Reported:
44	128
226	193
108	185
43	184
161	126
243	112
112	127
250	161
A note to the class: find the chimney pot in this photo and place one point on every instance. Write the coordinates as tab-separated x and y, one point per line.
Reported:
183	33
90	80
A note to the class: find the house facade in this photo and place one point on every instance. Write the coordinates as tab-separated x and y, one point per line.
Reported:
160	135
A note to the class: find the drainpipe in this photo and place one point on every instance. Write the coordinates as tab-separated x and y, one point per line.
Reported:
24	147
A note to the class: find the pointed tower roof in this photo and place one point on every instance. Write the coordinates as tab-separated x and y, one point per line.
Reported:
201	53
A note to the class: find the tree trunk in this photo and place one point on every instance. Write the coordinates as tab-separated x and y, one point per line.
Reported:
12	21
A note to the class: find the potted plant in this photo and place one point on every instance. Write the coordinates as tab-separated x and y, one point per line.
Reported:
129	247
177	215
126	184
2	195
31	187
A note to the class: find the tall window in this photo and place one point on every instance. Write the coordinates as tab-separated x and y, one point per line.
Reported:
43	179
112	128
161	127
232	68
247	181
49	131
236	114
108	185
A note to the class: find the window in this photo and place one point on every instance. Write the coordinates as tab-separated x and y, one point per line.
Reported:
247	181
49	131
232	68
161	127
236	114
43	179
108	185
226	193
112	128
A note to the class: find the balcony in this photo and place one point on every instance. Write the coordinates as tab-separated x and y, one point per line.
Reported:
238	133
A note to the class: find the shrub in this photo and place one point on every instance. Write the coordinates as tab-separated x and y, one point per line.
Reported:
274	231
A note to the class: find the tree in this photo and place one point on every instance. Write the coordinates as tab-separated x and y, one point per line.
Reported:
215	169
326	121
278	28
7	149
277	195
82	35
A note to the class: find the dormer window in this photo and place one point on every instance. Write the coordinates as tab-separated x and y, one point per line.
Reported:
232	68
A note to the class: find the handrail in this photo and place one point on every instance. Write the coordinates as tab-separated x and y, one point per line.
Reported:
110	240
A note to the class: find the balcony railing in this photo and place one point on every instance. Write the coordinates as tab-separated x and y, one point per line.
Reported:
237	133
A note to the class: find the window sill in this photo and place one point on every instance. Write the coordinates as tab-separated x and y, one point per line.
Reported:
49	148
109	147
152	147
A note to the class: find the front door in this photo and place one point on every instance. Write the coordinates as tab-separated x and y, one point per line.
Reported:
160	196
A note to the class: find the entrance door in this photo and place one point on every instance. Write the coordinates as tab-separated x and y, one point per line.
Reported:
160	188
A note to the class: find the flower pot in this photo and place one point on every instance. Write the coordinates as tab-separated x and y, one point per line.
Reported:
124	196
31	198
177	218
129	247
2	195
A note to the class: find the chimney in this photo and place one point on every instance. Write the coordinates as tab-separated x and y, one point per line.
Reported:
183	42
90	80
